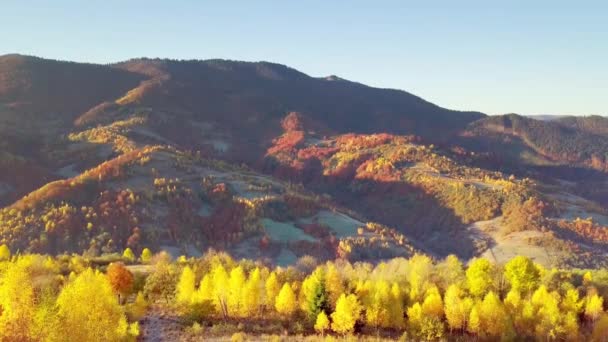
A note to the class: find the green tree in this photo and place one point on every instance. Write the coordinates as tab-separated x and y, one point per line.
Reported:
314	295
161	283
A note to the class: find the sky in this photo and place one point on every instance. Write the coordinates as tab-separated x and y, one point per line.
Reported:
527	57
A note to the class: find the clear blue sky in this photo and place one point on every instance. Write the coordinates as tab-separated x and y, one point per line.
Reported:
529	57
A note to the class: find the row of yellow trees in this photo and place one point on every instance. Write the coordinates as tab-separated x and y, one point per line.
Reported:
425	300
38	303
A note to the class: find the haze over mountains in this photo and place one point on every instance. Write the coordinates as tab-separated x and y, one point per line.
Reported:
265	161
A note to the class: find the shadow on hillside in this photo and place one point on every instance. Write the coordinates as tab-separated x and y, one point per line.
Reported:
430	226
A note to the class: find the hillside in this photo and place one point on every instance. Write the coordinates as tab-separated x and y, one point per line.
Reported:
266	162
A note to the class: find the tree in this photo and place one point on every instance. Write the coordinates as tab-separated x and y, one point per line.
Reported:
479	277
314	296
396	307
286	301
16	303
457	308
204	293
450	271
161	282
549	320
146	255
5	253
377	311
422	326
121	279
128	254
348	311
185	286
474	325
571	302
334	284
433	304
235	286
220	289
493	318
321	323
594	307
272	288
88	310
522	274
250	295
418	274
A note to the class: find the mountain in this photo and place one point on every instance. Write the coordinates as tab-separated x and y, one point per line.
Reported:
264	161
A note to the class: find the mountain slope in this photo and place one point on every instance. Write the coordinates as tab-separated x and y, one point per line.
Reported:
262	160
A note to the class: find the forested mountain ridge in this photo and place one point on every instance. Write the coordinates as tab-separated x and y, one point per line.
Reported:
174	154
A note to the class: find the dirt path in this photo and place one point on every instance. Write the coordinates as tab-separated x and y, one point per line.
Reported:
159	326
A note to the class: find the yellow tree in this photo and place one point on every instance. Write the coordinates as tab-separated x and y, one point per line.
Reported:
185	286
457	308
450	271
334	284
594	307
146	255
549	319
286	303
522	274
272	288
5	253
571	302
128	254
204	293
396	307
235	286
479	277
321	323
17	303
474	324
88	310
493	317
219	278
348	311
250	295
377	311
418	274
423	326
433	304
